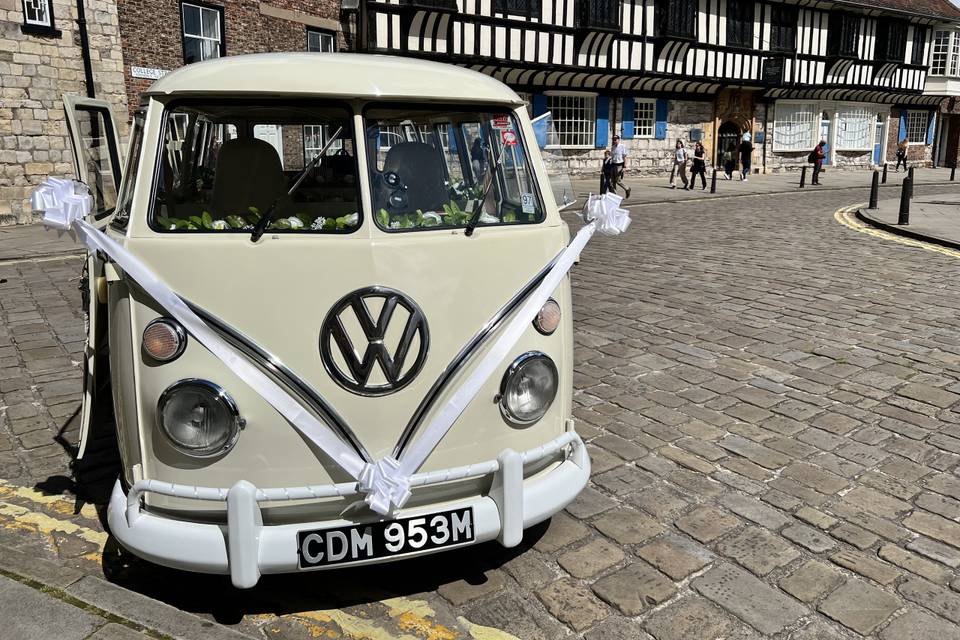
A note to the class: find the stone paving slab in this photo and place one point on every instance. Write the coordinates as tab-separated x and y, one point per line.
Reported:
935	217
38	617
771	401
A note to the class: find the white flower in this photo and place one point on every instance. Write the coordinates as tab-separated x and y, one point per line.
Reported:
219	224
295	222
352	219
318	223
486	218
172	227
394	225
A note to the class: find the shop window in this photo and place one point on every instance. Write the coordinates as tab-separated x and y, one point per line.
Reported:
855	129
740	23
891	42
574	120
917	127
675	19
321	41
202	32
919	43
843	34
794	125
599	14
38	18
644	118
530	8
783	27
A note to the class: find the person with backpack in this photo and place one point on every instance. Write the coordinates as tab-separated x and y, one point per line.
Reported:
680	156
746	156
699	167
902	147
730	160
816	157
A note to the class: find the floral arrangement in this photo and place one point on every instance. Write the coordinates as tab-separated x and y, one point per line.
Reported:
452	216
247	221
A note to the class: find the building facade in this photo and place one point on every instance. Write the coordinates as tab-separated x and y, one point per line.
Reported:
41	58
790	74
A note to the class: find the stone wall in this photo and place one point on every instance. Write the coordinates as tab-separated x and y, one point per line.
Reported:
35	70
152	36
645	156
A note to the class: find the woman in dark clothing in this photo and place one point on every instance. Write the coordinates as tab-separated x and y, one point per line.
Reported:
605	169
817	157
746	156
699	167
730	160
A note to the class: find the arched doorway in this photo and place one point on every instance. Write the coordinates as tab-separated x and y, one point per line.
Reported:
728	133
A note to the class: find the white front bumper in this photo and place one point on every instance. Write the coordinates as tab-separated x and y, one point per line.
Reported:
245	548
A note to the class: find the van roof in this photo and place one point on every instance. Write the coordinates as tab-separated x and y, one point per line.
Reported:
346	75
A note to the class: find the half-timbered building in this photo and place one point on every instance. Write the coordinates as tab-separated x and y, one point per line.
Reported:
789	73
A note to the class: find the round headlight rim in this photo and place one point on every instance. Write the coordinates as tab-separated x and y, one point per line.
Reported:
237	424
536	324
518	362
177	328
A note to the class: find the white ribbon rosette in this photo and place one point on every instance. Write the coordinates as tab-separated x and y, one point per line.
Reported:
386	482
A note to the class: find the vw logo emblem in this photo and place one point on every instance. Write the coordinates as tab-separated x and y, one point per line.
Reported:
390	330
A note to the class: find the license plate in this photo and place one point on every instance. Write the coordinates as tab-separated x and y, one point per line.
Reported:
355	543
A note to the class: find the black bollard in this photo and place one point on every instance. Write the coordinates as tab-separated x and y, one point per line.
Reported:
803	176
953	172
884	179
713	181
910	177
874	189
905	189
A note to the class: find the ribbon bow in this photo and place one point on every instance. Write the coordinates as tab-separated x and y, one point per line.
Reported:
386	486
605	211
61	203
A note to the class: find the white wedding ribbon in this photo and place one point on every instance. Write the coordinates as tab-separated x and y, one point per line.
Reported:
386	482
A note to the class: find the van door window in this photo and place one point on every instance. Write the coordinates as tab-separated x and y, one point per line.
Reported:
95	128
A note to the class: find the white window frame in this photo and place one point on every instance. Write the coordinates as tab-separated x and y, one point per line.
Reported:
218	38
323	36
814	109
37	6
644	118
913	119
564	107
945	56
867	118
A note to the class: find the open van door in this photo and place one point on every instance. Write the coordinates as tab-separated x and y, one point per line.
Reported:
96	155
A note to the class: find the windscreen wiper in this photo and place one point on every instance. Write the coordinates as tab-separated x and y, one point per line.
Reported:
478	210
264	220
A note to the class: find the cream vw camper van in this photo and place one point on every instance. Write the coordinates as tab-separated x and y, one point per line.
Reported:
358	231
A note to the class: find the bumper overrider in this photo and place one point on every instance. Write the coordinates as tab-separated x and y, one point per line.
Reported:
245	548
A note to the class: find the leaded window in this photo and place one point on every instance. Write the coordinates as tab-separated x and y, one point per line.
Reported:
202	33
891	42
794	126
919	43
574	120
599	14
917	126
740	23
644	118
675	19
517	7
843	35
783	27
855	129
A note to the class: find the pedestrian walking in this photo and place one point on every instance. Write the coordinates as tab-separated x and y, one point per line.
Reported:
478	160
605	170
902	147
679	165
816	157
730	160
699	167
618	158
746	156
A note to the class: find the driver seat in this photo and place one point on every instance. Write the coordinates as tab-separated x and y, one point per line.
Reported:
421	168
249	174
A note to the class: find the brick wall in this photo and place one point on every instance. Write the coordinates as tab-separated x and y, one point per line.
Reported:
152	36
921	154
34	72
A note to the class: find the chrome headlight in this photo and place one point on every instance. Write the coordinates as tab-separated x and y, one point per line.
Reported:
528	388
199	418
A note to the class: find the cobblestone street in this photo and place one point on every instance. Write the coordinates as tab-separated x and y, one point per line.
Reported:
772	405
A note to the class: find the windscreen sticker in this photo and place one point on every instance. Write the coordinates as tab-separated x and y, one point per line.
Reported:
502	122
526	202
509	138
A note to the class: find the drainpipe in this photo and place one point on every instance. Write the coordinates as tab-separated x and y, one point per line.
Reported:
766	130
85	49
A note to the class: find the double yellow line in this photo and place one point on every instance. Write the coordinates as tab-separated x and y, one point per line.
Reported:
847	216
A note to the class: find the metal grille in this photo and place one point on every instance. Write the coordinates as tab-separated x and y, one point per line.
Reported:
855	129
917	126
574	120
644	118
37	12
599	14
793	128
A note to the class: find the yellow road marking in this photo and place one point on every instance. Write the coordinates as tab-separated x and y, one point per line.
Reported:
48	524
847	217
60	504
